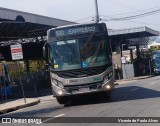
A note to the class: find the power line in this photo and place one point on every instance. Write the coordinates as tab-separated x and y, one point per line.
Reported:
130	8
140	22
134	16
90	18
134	11
121	5
144	23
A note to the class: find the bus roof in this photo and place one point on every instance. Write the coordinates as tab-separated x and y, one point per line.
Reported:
74	25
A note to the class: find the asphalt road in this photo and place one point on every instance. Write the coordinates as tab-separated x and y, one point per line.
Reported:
138	98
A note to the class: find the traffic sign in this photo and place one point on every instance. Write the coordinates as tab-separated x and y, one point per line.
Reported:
16	52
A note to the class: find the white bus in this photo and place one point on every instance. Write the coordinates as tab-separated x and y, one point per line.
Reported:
80	60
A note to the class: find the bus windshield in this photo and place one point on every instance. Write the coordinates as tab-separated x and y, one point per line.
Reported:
79	53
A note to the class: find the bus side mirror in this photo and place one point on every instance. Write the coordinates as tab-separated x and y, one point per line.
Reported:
46	51
46	56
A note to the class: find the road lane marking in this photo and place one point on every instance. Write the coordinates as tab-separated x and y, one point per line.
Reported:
152	83
134	89
53	118
59	115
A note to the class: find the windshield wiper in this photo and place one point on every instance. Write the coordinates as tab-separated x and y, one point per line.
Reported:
96	52
89	39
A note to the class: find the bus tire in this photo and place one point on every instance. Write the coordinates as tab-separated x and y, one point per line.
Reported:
62	100
108	94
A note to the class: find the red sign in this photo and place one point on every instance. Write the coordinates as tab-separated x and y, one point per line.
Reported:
16	51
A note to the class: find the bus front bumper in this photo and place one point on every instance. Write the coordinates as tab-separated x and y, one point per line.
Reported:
106	86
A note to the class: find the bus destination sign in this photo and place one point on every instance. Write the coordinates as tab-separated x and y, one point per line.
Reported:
76	30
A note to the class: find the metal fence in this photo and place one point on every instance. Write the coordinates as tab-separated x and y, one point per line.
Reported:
128	70
32	87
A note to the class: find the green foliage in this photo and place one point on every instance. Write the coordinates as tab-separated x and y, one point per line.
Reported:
152	50
15	71
37	65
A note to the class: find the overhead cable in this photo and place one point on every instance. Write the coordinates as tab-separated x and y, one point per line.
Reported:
134	16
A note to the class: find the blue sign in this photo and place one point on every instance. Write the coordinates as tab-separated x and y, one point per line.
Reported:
84	64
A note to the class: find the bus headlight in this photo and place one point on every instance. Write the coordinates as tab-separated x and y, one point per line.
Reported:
110	75
107	77
57	83
60	84
108	86
60	92
54	81
156	69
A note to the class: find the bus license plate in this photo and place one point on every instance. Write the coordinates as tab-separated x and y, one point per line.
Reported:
86	89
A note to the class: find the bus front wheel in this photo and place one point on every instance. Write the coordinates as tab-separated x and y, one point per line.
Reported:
62	100
108	94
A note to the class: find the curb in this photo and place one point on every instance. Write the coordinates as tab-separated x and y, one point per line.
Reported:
142	78
125	80
19	107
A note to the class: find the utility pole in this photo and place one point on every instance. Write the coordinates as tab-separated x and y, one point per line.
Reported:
96	10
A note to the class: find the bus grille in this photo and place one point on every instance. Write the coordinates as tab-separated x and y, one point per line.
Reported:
81	72
72	89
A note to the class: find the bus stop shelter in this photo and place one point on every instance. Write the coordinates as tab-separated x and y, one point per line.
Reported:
27	29
124	39
131	37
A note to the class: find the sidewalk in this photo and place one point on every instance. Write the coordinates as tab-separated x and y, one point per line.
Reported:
10	105
134	78
15	104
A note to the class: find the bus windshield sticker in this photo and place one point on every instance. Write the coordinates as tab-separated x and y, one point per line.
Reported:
84	64
55	66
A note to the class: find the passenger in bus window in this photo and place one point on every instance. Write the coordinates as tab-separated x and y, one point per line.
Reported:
57	60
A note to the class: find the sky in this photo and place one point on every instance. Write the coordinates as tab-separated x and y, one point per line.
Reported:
83	10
